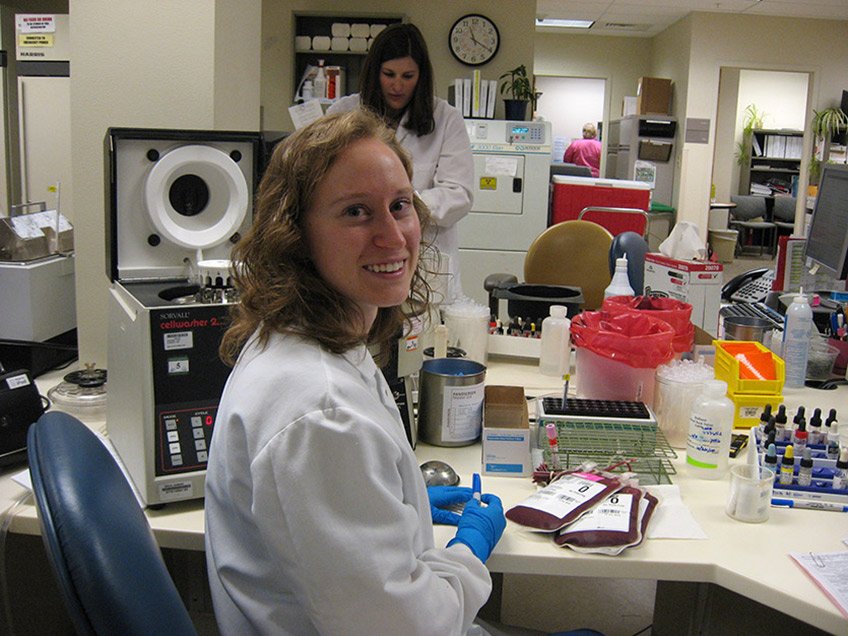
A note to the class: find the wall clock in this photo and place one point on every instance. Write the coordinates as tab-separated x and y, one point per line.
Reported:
474	39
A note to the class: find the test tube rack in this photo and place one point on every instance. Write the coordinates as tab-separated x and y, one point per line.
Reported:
606	432
821	488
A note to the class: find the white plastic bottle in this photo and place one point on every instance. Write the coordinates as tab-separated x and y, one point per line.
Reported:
620	284
319	86
710	430
555	356
307	93
797	328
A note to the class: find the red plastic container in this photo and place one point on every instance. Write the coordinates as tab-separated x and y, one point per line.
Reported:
572	194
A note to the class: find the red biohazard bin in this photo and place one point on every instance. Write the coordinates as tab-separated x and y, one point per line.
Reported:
572	194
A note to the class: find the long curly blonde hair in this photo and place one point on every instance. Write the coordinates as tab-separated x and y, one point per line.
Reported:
281	290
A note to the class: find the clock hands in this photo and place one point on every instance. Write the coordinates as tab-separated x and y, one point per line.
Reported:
471	32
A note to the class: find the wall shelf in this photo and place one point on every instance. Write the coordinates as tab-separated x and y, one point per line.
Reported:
774	159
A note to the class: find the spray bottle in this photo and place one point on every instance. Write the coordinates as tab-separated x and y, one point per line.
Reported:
797	328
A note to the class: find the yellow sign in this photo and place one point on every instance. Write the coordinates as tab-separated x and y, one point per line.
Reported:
488	183
41	40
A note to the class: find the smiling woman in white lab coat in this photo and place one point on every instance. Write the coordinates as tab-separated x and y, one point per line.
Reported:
397	84
317	517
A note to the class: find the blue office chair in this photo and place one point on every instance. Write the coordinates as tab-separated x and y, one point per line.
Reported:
101	548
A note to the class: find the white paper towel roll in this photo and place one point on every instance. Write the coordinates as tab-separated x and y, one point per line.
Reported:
375	29
302	43
340	30
358	44
359	30
339	44
321	43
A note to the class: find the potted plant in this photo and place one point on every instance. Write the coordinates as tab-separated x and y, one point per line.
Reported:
517	84
826	124
753	120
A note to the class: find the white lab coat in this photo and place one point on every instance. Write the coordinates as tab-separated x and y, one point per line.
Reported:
317	517
443	175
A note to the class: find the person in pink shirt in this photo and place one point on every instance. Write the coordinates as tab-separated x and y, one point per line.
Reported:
586	151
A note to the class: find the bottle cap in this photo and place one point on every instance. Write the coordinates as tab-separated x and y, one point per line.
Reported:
780	418
788	455
807	459
558	311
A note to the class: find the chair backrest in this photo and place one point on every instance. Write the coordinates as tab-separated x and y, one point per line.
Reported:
784	209
571	253
101	548
748	207
634	247
617	220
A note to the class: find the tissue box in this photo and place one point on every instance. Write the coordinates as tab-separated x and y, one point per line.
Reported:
506	432
695	282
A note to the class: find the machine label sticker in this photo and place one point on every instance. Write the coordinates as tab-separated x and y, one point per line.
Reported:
35	40
412	343
488	183
178	340
18	381
35	23
176	491
178	366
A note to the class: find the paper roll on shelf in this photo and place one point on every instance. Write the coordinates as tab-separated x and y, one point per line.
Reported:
340	30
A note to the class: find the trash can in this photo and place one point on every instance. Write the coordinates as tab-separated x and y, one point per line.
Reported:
723	243
617	354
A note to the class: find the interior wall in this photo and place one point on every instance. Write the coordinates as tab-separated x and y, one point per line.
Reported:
758	43
621	61
515	21
569	103
145	64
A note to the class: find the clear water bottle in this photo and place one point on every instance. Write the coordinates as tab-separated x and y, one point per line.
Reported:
555	356
797	329
710	430
620	284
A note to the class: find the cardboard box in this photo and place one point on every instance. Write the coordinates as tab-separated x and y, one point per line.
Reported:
653	96
695	282
506	432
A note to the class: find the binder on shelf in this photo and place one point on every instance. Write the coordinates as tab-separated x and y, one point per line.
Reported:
758	151
466	97
493	92
484	99
455	93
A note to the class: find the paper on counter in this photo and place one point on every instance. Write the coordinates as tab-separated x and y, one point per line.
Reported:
830	573
672	519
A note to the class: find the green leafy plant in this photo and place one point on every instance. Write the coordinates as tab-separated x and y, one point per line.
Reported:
826	123
518	85
753	120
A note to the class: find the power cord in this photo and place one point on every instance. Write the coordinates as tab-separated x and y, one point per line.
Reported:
642	631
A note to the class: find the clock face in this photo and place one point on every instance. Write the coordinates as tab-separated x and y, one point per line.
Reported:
474	39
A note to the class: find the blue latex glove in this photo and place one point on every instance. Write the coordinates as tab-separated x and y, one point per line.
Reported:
480	528
444	496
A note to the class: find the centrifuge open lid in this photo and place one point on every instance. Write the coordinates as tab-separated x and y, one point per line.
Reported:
177	198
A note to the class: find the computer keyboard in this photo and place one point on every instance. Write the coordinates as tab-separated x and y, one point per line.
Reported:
756	310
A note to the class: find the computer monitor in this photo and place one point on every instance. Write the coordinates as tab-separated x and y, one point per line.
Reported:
827	243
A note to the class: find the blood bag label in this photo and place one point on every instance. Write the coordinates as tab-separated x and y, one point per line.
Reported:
611	515
564	495
178	340
462	412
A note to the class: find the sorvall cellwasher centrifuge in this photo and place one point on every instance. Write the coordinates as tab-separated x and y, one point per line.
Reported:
177	201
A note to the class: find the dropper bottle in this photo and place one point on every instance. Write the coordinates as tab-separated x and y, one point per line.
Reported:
805	473
815	432
780	424
787	467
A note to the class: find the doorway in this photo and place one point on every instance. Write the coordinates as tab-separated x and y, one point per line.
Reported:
568	103
780	96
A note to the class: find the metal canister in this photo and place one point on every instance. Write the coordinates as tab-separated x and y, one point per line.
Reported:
450	401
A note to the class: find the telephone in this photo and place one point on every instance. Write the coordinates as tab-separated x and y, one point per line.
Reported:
751	287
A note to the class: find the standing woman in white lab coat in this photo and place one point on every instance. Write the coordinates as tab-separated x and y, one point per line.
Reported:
318	520
397	84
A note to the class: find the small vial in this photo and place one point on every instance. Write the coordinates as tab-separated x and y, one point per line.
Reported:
815	430
780	423
840	480
787	467
805	473
799	437
770	460
833	441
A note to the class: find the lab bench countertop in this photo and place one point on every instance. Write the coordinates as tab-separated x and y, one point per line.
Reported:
749	559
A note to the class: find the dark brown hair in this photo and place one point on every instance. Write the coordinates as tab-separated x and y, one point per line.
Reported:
281	290
394	42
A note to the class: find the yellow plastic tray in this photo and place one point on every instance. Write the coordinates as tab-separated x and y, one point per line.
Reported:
749	407
727	369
